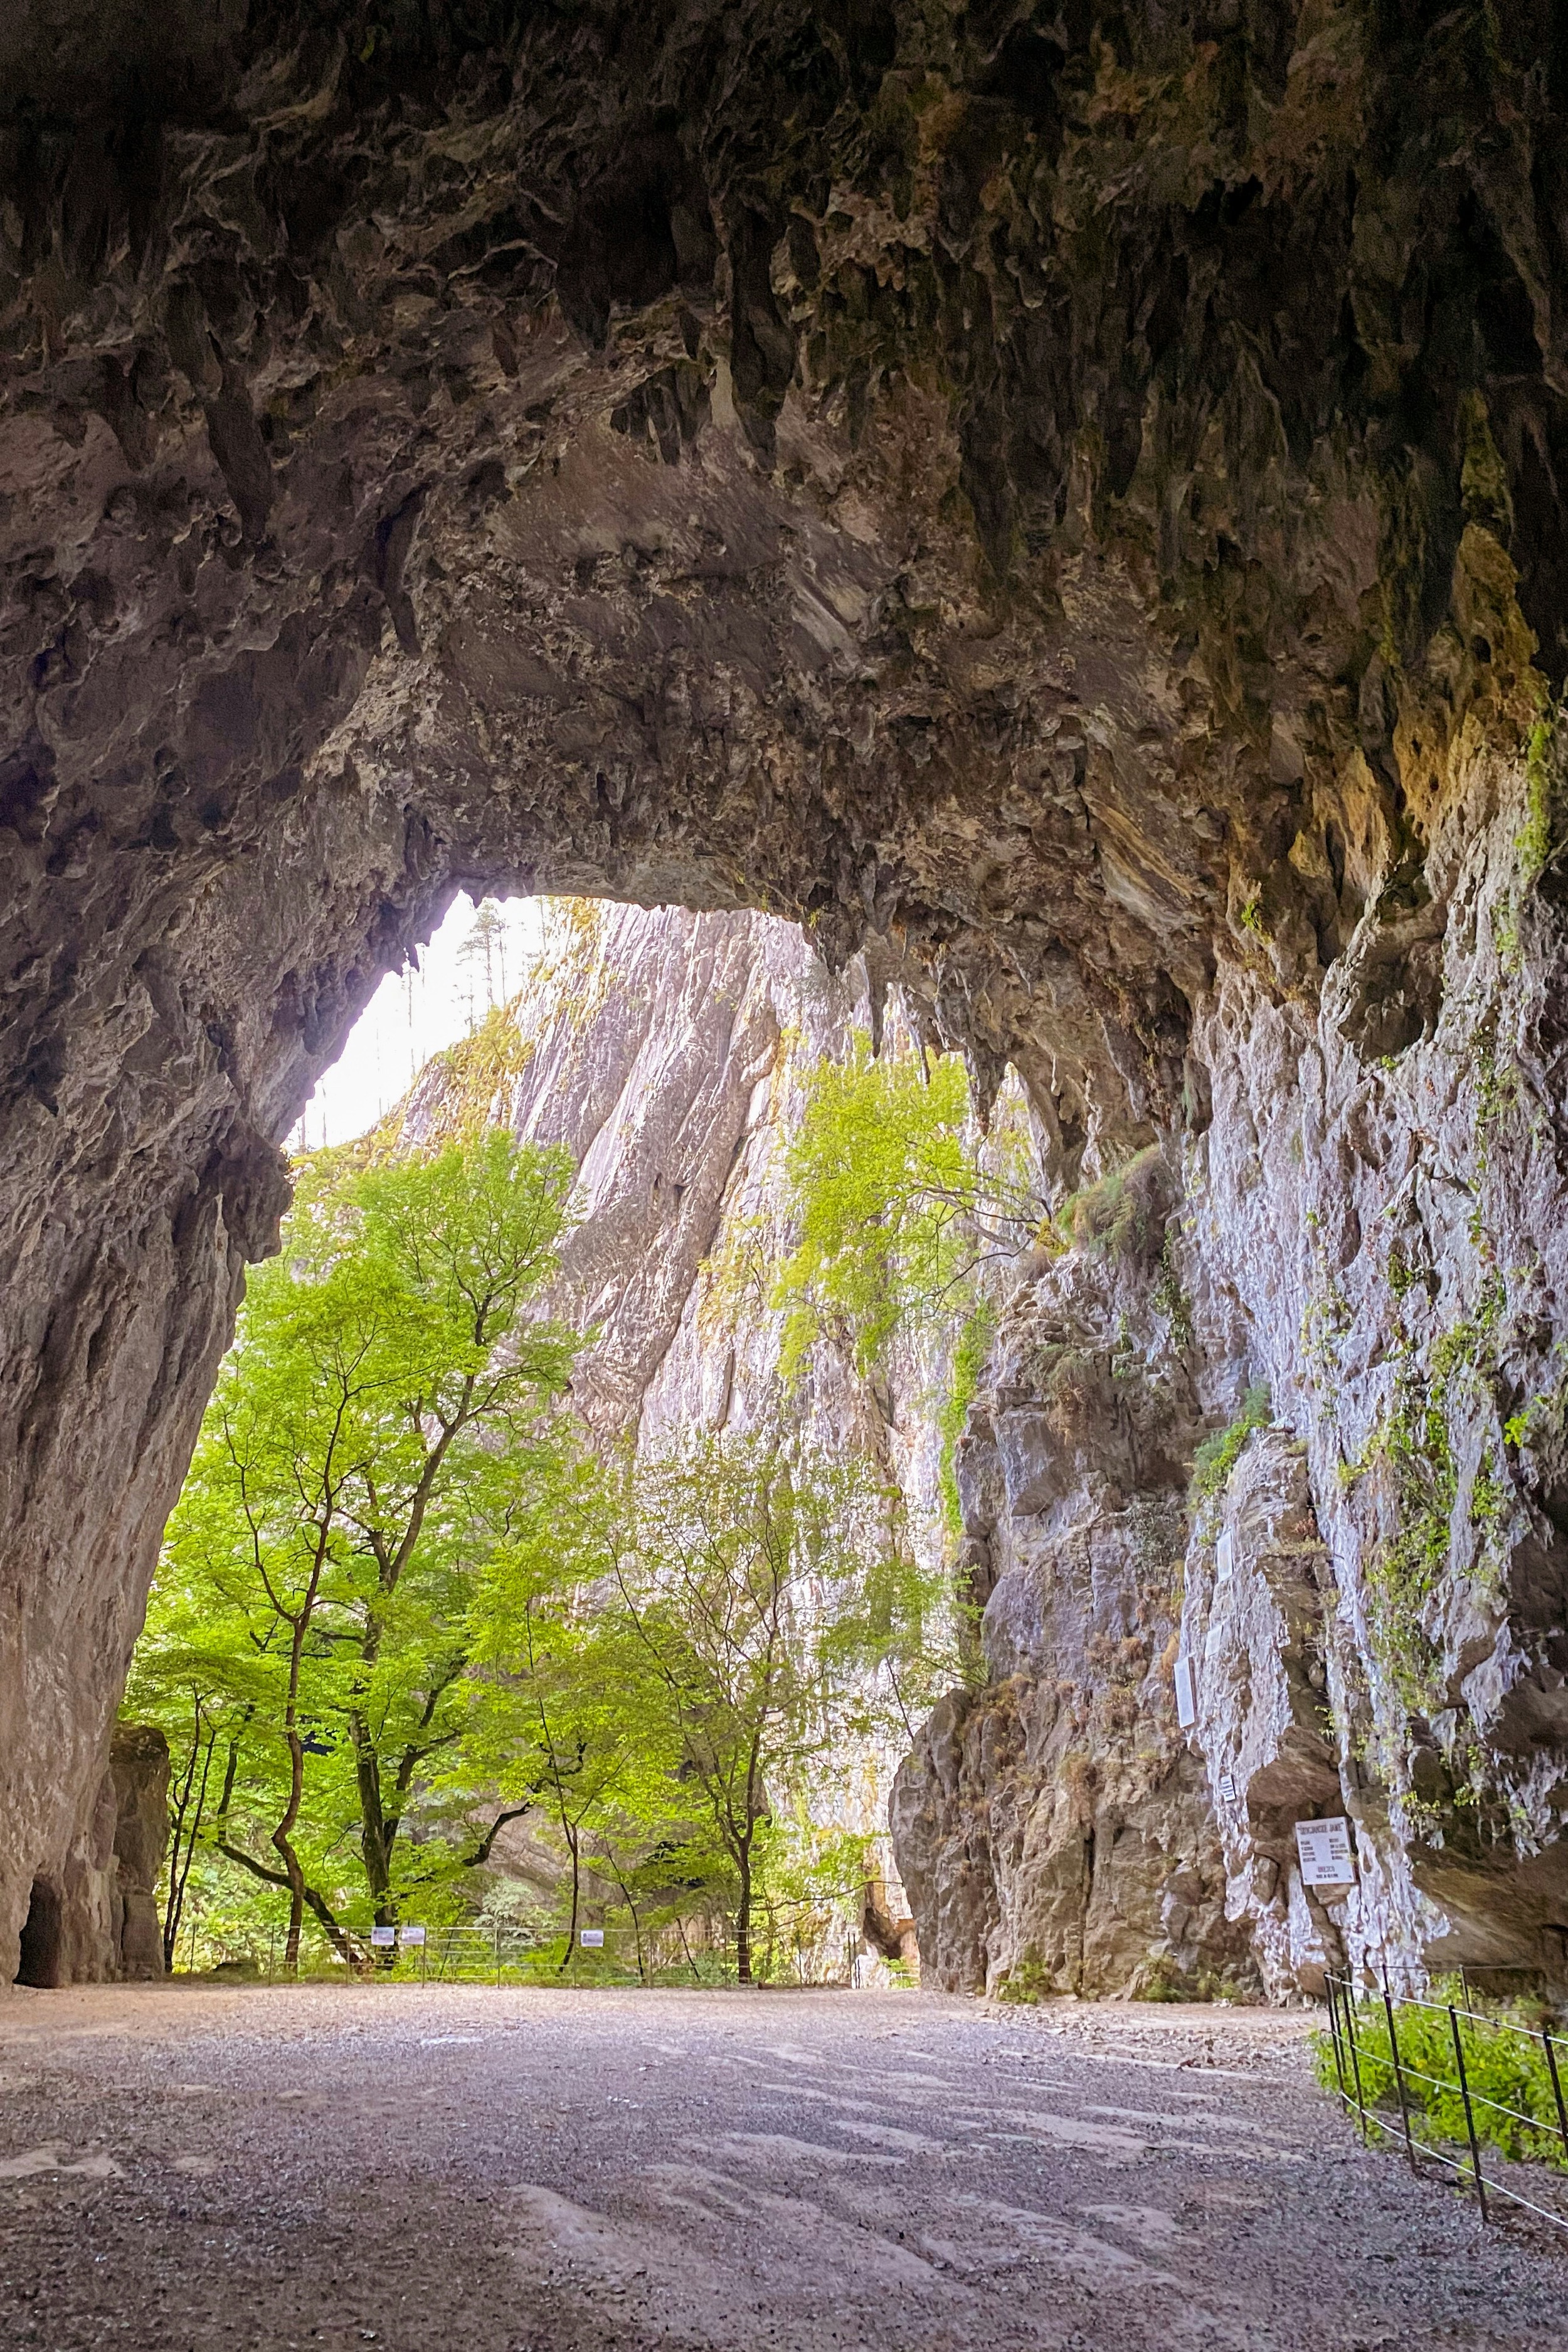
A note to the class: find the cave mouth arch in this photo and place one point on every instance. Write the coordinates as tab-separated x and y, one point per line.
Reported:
41	1953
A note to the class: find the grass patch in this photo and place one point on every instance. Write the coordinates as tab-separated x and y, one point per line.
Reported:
1504	2061
1217	1456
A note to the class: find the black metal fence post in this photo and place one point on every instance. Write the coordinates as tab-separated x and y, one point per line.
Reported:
1470	2117
1334	2030
1556	2089
1398	2073
1355	2059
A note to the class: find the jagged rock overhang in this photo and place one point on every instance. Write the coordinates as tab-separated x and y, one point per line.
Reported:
1042	495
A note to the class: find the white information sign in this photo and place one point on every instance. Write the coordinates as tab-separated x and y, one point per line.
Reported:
592	1937
1226	1785
1186	1692
412	1934
383	1935
1327	1857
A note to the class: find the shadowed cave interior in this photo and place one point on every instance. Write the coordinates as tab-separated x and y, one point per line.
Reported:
1070	511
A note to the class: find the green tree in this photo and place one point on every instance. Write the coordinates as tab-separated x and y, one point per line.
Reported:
767	1593
901	1206
392	1389
570	1715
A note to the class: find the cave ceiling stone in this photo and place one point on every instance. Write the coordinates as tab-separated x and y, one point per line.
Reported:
1025	488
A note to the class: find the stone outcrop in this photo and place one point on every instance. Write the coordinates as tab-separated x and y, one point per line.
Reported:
139	1766
1069	502
1374	1596
1053	1830
96	1915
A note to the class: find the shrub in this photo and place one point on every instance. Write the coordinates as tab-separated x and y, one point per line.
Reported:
1027	1980
1502	2062
1217	1456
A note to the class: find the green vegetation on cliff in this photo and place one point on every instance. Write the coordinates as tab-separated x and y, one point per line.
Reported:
901	1207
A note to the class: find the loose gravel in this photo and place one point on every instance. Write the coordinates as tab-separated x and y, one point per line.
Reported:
184	2169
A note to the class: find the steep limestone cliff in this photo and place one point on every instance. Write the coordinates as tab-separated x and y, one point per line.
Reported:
1372	1225
1069	501
668	1052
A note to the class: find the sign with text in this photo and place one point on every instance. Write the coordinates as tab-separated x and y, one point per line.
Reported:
383	1936
412	1934
592	1937
1326	1854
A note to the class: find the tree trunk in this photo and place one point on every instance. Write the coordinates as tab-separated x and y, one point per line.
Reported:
295	1921
743	1919
576	1885
375	1844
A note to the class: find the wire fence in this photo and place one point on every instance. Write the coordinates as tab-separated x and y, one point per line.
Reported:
485	1953
1379	2077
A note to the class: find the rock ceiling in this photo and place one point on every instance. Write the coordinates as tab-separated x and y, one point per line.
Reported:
1038	494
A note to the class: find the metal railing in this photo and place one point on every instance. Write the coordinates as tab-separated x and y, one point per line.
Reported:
1365	2073
446	1954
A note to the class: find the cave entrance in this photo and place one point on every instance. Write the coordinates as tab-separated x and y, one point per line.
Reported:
42	1937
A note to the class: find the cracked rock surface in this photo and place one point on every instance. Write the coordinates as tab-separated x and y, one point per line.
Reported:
1068	501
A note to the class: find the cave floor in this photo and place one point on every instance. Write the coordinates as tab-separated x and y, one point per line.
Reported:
542	2171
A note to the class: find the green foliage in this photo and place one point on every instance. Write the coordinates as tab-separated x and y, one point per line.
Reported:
401	1604
1217	1456
1414	1445
899	1210
481	1065
1110	1219
1501	2065
389	1398
893	1208
968	1362
1028	1980
776	1611
1168	1297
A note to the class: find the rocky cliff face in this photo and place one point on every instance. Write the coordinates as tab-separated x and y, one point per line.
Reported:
1373	1600
1069	501
668	1052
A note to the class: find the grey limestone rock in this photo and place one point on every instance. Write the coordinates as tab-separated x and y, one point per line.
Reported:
1071	504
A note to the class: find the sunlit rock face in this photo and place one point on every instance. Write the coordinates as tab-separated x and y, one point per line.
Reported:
670	1053
1069	502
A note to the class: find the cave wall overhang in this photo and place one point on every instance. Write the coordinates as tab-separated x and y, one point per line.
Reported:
1043	498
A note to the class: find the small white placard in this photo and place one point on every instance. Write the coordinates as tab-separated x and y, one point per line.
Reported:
383	1936
1186	1692
592	1937
1326	1853
1226	1787
1223	1556
412	1934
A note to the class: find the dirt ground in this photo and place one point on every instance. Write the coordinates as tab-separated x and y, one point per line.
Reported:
538	2171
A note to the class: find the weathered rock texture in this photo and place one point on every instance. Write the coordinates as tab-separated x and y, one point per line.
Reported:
670	1053
95	1914
1072	500
1053	1828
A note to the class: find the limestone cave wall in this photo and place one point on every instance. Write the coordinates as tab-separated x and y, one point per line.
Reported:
1064	499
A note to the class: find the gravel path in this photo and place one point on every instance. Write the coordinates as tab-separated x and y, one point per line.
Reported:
525	2171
